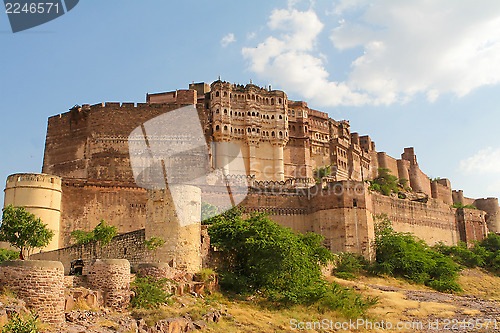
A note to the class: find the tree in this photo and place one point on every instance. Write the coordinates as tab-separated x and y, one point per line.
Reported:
24	230
102	233
385	183
262	256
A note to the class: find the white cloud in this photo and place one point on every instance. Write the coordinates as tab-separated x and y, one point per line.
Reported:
408	47
287	61
227	39
484	161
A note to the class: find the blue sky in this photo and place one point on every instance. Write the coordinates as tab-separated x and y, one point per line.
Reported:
408	73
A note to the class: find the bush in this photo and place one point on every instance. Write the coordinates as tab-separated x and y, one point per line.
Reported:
8	255
262	256
149	292
386	183
461	254
19	324
404	255
102	233
344	300
349	264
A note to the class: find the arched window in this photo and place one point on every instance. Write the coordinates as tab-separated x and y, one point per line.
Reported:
217	111
225	93
257	114
217	127
272	101
253	114
216	94
281	117
272	117
248	96
272	133
225	111
305	129
248	113
267	116
253	129
258	130
280	100
281	134
225	127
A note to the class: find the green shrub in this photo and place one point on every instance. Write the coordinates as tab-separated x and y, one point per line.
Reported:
349	264
149	292
461	254
8	255
102	233
386	183
20	324
344	300
404	255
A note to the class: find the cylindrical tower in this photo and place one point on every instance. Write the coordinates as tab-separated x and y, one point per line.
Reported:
174	214
41	195
112	277
490	206
40	284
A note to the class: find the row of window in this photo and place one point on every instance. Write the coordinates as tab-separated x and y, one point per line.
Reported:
252	97
249	130
249	114
299	113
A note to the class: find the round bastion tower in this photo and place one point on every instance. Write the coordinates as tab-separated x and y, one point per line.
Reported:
41	195
174	214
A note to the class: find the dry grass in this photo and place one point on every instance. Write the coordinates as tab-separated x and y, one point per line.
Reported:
480	283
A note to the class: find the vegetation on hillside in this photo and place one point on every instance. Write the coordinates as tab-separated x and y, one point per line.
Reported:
102	233
484	254
263	258
405	256
24	230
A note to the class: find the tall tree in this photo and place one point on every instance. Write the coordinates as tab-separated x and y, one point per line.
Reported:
24	230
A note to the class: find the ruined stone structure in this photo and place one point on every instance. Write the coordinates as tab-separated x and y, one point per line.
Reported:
40	284
282	143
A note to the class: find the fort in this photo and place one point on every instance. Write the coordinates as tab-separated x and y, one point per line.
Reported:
87	176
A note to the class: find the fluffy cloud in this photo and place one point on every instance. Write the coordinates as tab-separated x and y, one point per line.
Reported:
484	161
227	39
408	47
287	60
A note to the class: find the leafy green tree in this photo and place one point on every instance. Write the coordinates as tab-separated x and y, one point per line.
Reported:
102	233
24	230
262	256
385	183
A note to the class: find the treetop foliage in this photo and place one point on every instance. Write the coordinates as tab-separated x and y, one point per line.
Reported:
24	230
102	233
